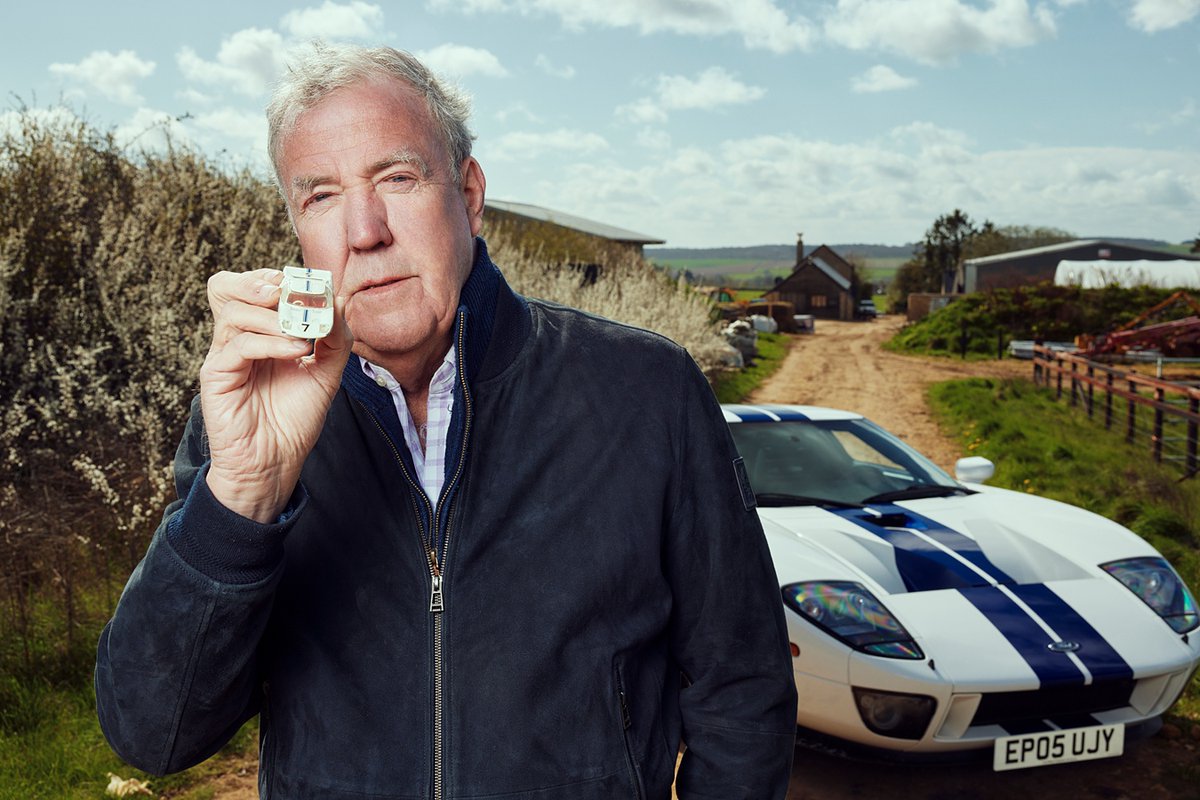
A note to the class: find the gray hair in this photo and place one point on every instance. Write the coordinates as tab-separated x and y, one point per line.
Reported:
325	68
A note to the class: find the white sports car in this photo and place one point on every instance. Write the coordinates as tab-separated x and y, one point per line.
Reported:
928	614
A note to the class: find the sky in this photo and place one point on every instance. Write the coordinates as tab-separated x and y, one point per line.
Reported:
701	122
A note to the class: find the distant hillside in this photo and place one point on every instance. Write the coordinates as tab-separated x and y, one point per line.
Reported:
787	252
772	252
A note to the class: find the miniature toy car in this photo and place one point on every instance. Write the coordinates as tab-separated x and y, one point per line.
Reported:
306	302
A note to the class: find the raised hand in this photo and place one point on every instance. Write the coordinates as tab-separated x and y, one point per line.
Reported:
263	400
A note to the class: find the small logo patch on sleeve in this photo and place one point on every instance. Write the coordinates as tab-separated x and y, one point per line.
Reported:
743	479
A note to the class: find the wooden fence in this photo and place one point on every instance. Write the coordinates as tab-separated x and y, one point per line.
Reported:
1164	415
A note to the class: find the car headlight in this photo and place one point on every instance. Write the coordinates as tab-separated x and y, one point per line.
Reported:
849	612
1160	587
901	716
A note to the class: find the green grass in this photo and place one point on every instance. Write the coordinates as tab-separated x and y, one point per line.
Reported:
1044	447
734	387
883	265
51	745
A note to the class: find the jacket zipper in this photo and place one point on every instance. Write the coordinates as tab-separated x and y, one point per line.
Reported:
626	724
437	600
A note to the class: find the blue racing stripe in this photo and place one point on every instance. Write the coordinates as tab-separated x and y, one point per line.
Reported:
923	566
786	414
749	414
1097	655
1025	635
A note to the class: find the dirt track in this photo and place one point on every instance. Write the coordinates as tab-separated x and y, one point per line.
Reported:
842	365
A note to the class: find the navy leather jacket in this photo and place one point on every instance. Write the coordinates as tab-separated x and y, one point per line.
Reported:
601	591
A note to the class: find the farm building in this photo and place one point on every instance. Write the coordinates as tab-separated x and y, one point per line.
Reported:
561	236
1038	264
822	284
1178	274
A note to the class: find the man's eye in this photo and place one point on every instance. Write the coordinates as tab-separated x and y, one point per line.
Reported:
316	199
402	182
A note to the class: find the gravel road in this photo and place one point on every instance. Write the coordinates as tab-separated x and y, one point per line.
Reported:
843	366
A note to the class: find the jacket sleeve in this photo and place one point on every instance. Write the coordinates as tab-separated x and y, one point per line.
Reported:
176	666
728	635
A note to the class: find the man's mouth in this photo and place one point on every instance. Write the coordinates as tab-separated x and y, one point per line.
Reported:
378	286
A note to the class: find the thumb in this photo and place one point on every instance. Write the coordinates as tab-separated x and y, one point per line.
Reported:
332	352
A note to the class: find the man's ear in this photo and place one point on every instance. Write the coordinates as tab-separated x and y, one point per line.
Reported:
473	186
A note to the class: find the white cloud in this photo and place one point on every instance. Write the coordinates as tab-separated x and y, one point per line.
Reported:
151	130
881	78
654	139
887	189
528	145
712	88
544	64
644	110
56	117
193	97
517	109
1180	116
115	75
1158	15
762	24
460	61
233	123
247	62
468	6
354	20
938	31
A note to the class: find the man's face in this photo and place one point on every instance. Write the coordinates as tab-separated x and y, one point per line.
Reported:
373	201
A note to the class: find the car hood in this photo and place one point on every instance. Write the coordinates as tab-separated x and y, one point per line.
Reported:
992	536
996	572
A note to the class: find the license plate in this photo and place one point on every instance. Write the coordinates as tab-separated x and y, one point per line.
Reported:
1058	747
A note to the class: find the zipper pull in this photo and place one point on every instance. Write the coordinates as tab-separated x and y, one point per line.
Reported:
436	606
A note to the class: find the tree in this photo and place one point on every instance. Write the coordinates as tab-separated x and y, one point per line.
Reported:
1196	245
951	240
936	257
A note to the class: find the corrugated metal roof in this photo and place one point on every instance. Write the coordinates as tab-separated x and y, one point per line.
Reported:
1050	248
837	277
576	223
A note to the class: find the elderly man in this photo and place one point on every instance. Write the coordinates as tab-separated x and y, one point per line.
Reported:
482	546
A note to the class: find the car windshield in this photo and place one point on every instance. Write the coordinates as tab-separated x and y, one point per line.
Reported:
836	461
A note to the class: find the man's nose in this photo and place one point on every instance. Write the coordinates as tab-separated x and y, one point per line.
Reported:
366	220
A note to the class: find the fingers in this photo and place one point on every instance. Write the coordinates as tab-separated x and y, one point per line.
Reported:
246	324
340	339
257	287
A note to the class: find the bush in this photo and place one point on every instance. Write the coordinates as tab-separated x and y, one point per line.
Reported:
625	288
104	258
993	318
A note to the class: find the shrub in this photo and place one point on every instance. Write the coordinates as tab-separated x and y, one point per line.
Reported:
104	258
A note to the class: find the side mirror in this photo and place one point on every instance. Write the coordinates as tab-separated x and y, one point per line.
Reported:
974	469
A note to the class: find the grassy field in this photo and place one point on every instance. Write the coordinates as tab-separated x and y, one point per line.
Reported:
51	745
763	274
1044	447
733	387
